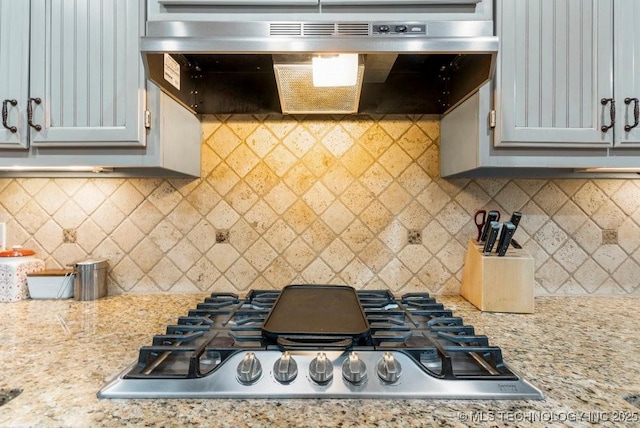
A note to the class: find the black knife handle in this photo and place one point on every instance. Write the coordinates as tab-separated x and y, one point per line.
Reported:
508	229
515	218
491	216
491	239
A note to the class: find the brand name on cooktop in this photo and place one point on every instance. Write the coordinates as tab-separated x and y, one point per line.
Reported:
507	388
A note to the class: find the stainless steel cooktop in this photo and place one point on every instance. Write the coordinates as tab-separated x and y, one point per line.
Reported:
263	346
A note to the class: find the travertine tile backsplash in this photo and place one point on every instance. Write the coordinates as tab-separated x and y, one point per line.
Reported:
325	200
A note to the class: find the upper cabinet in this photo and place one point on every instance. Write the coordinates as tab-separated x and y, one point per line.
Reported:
73	69
14	71
627	66
560	62
564	96
555	85
304	10
75	100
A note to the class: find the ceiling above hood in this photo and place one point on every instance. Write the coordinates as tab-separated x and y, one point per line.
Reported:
414	56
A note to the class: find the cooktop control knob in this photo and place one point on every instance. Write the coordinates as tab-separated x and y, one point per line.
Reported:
354	369
249	369
321	368
388	368
285	368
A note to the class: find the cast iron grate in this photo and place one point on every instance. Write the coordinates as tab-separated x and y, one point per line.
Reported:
7	395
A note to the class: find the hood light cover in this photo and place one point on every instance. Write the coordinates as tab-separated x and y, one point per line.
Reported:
299	94
335	71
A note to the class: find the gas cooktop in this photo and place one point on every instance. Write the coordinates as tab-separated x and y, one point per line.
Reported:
320	341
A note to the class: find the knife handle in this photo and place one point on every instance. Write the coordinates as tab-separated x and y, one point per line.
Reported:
491	216
491	239
508	229
515	218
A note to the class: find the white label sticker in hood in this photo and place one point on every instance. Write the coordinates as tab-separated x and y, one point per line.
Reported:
172	71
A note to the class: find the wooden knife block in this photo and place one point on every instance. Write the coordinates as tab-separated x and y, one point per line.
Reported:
498	284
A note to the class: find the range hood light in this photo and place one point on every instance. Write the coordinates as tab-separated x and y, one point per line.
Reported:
299	92
334	71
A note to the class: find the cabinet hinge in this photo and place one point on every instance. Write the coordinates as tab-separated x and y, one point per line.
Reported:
492	119
147	119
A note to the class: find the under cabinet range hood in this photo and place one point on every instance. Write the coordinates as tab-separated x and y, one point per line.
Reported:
265	56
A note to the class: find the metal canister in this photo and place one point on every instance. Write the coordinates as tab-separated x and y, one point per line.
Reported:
91	279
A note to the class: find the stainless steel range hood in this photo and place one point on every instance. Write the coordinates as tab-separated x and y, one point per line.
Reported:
414	56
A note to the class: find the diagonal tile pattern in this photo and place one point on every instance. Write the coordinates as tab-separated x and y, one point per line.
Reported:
322	200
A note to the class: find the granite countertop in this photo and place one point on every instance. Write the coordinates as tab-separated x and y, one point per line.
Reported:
581	351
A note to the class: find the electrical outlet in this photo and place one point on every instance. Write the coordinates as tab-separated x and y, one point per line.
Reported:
222	236
609	236
414	237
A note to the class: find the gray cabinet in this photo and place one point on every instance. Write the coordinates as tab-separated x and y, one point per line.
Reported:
558	61
627	75
172	150
312	10
568	71
84	72
467	149
555	68
96	111
14	72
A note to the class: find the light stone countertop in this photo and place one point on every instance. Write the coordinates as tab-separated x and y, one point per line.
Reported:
581	351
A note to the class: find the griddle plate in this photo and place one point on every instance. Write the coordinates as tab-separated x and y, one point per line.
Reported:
330	311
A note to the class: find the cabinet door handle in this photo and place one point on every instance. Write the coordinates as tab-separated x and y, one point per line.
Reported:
612	112
5	115
30	113
628	101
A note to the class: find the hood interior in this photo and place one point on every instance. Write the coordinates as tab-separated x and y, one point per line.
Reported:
398	83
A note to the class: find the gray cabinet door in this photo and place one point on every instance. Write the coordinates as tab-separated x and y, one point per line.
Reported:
627	66
14	71
555	67
86	69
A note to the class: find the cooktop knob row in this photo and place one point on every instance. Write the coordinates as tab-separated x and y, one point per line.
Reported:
285	368
389	368
321	369
354	370
249	370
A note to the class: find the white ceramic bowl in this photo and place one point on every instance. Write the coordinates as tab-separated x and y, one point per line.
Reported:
51	284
